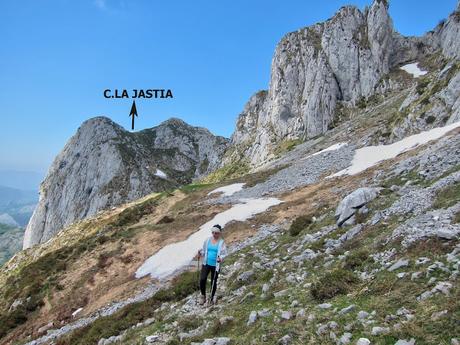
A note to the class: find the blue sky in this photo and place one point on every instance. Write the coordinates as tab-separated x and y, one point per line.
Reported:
57	57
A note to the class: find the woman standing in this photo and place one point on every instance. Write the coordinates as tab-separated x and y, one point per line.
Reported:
213	252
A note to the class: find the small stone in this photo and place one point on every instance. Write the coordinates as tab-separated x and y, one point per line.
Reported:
345	338
363	341
209	342
286	315
263	313
402	311
405	342
438	315
347	310
401	275
324	305
447	234
362	315
300	314
443	287
294	304
424	296
280	293
265	288
332	325
285	340
252	318
225	320
151	339
415	275
455	341
245	276
223	341
399	264
321	330
380	330
422	261
348	326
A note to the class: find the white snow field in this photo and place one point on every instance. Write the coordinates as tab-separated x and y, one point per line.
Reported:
412	68
177	255
330	148
161	174
228	190
369	156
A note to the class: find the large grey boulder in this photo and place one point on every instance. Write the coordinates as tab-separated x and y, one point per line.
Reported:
104	165
353	202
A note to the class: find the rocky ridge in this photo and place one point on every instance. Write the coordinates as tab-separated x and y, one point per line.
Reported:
104	165
318	70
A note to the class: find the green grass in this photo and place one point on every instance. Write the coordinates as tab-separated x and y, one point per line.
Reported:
40	278
193	187
299	224
456	219
356	259
105	327
228	172
447	197
286	146
331	284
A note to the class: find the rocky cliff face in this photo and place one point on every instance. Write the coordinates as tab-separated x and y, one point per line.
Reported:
103	165
315	68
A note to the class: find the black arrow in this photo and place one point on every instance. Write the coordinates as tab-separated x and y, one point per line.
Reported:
133	113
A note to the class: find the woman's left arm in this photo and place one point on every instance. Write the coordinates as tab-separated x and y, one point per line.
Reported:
223	251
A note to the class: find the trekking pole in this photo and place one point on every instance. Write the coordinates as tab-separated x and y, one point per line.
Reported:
198	271
214	282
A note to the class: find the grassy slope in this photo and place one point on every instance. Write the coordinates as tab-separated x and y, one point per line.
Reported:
384	294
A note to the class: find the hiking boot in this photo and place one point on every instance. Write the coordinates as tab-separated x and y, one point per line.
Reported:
202	300
213	301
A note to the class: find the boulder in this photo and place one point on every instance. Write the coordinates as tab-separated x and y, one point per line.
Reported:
348	207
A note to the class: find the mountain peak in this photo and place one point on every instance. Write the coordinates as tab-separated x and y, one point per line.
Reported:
104	165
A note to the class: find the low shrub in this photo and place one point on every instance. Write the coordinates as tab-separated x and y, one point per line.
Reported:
105	327
337	282
356	259
190	323
456	219
132	215
299	224
447	196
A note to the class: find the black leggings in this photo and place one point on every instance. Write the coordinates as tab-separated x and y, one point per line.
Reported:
205	269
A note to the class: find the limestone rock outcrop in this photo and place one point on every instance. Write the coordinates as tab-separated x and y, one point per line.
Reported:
104	165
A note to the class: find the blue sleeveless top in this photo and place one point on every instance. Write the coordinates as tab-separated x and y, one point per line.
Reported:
212	253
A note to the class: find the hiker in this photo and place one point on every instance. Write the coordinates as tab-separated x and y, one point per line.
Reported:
213	252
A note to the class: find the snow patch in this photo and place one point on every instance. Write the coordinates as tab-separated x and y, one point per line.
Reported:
412	68
76	312
330	148
161	174
228	190
369	156
177	255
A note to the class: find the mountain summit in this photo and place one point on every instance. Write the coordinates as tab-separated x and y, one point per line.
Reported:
104	165
319	69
